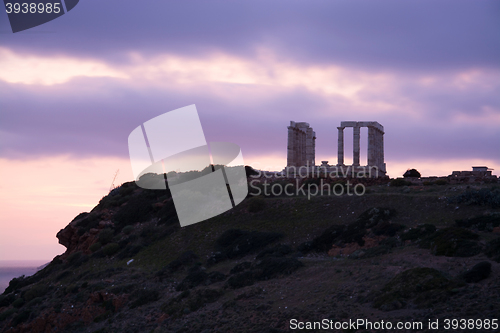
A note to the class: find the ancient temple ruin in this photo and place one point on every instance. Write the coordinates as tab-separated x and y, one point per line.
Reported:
301	145
375	143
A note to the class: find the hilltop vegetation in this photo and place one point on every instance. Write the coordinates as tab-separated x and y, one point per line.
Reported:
398	253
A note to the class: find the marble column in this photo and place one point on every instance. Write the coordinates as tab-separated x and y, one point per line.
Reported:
356	146
377	156
372	138
381	155
314	149
340	150
291	147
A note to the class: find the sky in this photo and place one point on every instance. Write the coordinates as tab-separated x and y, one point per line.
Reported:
73	89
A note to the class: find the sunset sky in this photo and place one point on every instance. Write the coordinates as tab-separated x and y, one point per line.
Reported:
73	89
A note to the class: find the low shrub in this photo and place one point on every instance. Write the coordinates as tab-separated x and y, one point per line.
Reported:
386	228
483	197
493	249
306	247
256	204
98	254
241	267
90	220
71	289
105	236
111	249
128	188
452	242
94	247
477	273
271	267
280	250
312	181
235	243
127	230
202	297
35	291
167	214
372	252
214	277
483	222
129	251
76	259
21	317
127	288
7	313
251	171
35	301
399	182
418	232
195	277
241	280
63	275
137	209
421	286
18	302
16	283
375	215
144	296
128	240
185	258
188	302
215	257
412	173
324	241
354	232
6	300
103	317
152	233
97	286
376	218
58	307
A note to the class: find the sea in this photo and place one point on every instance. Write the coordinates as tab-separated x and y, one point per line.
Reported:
10	269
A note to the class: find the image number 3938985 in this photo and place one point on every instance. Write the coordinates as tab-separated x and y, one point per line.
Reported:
26	14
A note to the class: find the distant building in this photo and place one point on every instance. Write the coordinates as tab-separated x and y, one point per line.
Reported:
480	168
477	173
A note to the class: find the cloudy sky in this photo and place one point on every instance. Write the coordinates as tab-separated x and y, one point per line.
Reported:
72	90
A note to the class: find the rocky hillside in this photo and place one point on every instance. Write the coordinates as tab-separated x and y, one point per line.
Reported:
398	254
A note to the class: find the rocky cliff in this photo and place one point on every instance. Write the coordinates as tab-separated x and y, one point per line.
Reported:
395	254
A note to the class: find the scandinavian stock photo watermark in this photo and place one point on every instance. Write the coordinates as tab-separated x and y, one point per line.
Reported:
311	181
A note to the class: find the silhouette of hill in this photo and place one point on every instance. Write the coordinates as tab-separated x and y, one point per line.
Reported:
396	253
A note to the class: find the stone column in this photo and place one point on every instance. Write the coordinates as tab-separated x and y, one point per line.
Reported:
302	147
290	158
314	149
340	151
310	146
356	147
377	156
296	146
372	138
381	155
